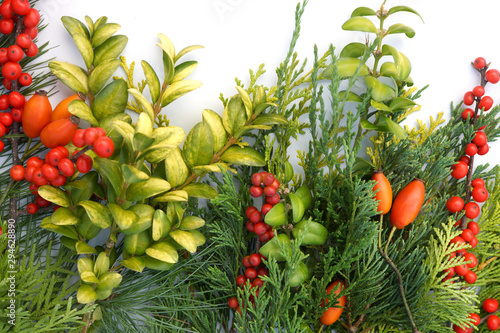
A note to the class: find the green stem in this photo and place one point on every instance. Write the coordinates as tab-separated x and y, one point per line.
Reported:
27	153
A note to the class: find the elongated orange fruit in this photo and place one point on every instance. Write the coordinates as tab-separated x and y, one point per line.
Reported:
61	109
407	204
384	193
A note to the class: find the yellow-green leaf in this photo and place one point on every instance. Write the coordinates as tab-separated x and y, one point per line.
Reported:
133	175
163	251
68	231
123	218
112	99
379	90
234	116
74	26
103	32
185	239
178	89
84	248
353	50
109	280
139	97
83	44
98	214
162	225
200	190
152	81
247	101
198	148
110	49
54	195
101	264
243	156
71	75
64	216
360	23
147	189
187	50
176	169
86	294
270	119
136	264
167	45
191	222
138	243
400	28
214	120
101	74
183	70
172	196
111	171
82	110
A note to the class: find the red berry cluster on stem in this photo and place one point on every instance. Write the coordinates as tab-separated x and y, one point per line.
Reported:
476	191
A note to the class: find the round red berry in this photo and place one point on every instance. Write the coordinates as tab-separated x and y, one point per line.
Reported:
11	70
266	208
257	282
479	194
34	189
455	204
480	138
39	178
472	258
41	202
268	179
273	200
25	79
240	280
468	98
17	172
485	103
250	226
471	149
269	191
84	163
470	277
20	7
246	262
254	259
492	76
260	228
32	18
255	217
476	320
15	53
450	271
250	210
32	208
472	210
50	172
479	63
467	114
493	322
256	179
6	119
255	191
459	170
53	157
490	305
478	91
478	182
90	135
6	26
473	242
104	147
461	270
233	302
250	273
483	150
474	227
77	138
262	271
467	235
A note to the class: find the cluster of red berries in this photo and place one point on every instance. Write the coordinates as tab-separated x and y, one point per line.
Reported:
490	305
58	165
254	270
476	190
264	185
20	18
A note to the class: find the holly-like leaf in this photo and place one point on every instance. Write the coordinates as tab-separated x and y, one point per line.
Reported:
360	23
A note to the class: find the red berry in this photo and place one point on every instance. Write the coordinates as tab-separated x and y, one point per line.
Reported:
260	228
233	302
268	179
467	235
478	91
6	119
17	114
474	227
90	135
50	172
250	210
458	329
478	182
246	261
262	271
269	191
15	53
472	210
32	208
476	320
2	146
77	138
240	280
471	257
480	138
450	271
34	189
490	305
23	40
20	7
493	322
473	242
479	63
11	70
479	194
492	76
467	114
39	178
264	237
458	240
35	162
32	32
483	150
84	163
459	170
470	277
256	179
53	157
255	259
250	273
63	150
6	9
17	172
4	102
468	98
6	26
471	149
104	147
25	79
461	270
250	226
29	173
485	103
32	50
454	204
41	202
273	200
255	191
257	282
266	208
16	99
32	18
255	217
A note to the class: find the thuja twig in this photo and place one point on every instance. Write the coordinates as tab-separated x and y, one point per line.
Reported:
383	252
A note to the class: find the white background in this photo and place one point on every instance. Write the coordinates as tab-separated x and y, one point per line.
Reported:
239	35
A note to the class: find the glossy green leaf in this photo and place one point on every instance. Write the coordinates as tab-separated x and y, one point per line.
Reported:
68	231
351	97
198	148
162	225
214	167
163	251
71	75
139	97
171	135
110	49
178	89
85	265
86	294
270	119
346	67
245	129
172	196
138	243
380	106
191	223
311	233
234	116
243	156
111	171
276	216
353	50
54	195
300	275
101	74
297	207
388	125
214	120
168	67
101	265
83	44
145	215
362	166
379	90
200	190
122	217
389	69
185	239
183	70
156	264
109	280
86	228
167	45
368	125
176	169
103	32
198	236
152	80
400	28
64	216
84	248
304	193
401	103
363	11
247	101
133	175
82	110
146	189
74	26
403	64
90	24
111	100
396	9
277	247
98	214
126	131
100	21
360	23
68	242
186	50
136	264
144	125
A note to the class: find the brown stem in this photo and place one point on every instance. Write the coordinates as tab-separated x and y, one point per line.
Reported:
485	318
